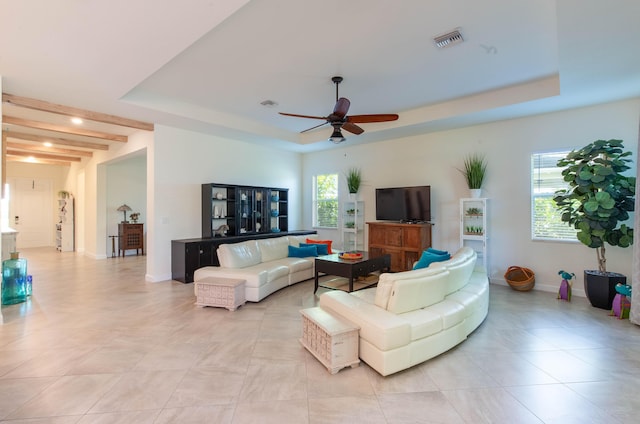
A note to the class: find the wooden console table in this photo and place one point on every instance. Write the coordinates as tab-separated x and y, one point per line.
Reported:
130	236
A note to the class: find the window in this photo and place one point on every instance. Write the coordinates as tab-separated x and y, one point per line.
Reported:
325	201
546	178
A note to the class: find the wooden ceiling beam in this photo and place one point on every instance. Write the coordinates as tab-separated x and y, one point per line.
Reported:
47	156
41	105
11	158
55	140
42	149
62	129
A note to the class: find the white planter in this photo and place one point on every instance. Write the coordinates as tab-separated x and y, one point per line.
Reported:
475	193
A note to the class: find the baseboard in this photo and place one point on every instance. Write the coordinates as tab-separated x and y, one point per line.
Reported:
575	291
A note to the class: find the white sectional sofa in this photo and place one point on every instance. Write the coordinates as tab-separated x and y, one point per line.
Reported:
263	264
413	316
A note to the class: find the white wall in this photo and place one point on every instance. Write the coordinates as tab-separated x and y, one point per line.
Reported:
434	158
180	161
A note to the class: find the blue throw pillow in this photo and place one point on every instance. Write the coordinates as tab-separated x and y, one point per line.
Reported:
428	258
323	249
438	252
302	252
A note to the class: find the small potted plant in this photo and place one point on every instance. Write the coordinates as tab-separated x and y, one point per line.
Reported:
354	178
597	204
475	168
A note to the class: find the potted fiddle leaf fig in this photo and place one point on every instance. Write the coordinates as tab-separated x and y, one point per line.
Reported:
354	178
597	204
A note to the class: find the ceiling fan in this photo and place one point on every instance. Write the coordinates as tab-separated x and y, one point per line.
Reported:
339	119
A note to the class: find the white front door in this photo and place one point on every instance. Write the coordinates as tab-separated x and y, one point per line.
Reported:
31	211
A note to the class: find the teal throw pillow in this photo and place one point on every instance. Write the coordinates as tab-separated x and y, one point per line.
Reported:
438	252
302	252
428	258
323	249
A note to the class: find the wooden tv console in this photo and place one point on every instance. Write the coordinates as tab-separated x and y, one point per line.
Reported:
404	242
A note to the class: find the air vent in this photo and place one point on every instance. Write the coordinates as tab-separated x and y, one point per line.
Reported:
449	39
269	103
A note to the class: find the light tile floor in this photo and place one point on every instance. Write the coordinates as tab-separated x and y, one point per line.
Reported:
97	344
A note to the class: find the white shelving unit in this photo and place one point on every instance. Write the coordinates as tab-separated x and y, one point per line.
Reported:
64	227
353	225
473	227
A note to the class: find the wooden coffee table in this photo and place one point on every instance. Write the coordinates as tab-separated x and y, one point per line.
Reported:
350	268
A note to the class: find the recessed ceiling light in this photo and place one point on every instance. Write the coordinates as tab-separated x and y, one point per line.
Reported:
48	144
76	121
31	159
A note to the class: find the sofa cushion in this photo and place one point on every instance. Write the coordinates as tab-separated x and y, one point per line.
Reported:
323	249
428	258
273	248
438	252
296	240
327	242
302	252
416	293
386	281
424	323
296	264
239	255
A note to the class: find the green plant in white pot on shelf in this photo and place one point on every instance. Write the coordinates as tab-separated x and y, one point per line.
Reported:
354	179
475	168
597	204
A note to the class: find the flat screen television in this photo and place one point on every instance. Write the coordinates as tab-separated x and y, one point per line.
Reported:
404	204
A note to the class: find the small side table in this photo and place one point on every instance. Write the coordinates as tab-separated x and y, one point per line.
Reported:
222	292
333	341
131	236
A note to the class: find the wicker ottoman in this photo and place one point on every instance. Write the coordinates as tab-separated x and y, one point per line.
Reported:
333	341
222	292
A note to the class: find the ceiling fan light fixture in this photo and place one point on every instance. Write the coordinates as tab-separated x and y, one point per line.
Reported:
336	136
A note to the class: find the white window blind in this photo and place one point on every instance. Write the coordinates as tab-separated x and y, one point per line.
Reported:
546	179
325	201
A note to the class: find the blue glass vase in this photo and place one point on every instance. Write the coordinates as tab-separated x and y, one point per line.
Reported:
14	280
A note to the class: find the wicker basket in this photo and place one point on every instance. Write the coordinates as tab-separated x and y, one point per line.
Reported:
520	278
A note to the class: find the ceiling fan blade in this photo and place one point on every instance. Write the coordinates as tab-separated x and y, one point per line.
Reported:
352	128
303	116
363	119
341	109
313	128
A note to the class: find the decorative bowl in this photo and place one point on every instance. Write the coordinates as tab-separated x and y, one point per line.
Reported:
350	255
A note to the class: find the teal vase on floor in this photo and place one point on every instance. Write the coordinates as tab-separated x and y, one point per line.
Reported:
14	280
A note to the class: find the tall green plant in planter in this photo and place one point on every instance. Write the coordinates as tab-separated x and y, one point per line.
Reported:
598	200
354	178
475	168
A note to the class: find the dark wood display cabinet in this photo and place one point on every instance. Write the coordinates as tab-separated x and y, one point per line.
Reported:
243	209
187	255
130	236
404	242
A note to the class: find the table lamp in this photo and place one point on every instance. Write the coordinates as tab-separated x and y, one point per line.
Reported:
124	208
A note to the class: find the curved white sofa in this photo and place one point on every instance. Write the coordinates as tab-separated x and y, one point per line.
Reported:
412	316
263	264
